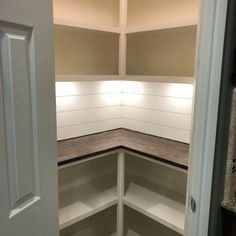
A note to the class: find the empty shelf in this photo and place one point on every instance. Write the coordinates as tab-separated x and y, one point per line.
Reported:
80	210
162	26
158	207
114	30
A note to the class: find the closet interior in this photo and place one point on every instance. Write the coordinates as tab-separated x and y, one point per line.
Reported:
128	57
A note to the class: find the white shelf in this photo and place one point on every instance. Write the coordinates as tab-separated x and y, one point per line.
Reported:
145	13
147	78
158	207
102	223
80	210
161	79
86	77
107	29
162	26
102	15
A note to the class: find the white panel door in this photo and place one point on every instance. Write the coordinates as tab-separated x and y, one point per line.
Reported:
28	169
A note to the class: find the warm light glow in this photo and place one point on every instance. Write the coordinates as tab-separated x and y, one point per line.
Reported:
111	86
132	87
66	89
181	90
111	92
185	93
131	92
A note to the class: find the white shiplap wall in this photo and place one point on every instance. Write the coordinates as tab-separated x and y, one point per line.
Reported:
162	109
87	107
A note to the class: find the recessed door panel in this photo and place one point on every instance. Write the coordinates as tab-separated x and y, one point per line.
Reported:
18	83
28	166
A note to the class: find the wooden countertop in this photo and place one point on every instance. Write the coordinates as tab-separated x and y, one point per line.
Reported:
165	150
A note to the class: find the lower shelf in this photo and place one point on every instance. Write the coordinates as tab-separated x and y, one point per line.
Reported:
157	207
100	224
137	224
77	211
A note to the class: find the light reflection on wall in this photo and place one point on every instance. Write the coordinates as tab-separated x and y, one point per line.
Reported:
125	92
111	92
131	92
181	90
66	89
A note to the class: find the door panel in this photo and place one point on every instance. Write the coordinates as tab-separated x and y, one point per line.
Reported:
28	169
20	116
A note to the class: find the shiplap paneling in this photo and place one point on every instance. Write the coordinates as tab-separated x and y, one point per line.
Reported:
157	130
86	116
88	128
87	107
161	118
83	102
161	109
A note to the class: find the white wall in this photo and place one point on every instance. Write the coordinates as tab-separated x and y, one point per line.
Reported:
161	109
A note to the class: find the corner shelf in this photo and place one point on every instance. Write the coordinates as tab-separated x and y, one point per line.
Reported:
157	207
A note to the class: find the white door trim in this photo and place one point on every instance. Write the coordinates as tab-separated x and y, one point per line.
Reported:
207	92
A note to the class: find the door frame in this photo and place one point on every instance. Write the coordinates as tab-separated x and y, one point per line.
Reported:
211	34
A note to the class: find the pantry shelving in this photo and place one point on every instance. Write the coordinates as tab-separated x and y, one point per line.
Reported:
137	224
152	40
157	207
177	24
93	14
162	13
111	180
99	224
142	39
167	52
86	188
85	52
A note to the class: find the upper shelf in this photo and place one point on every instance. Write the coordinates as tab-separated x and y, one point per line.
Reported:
168	52
84	52
102	15
80	25
143	15
161	26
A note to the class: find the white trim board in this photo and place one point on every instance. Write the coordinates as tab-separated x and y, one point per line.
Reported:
208	77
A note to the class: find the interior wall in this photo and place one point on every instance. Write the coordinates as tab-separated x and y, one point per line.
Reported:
169	52
85	52
88	12
152	12
161	109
